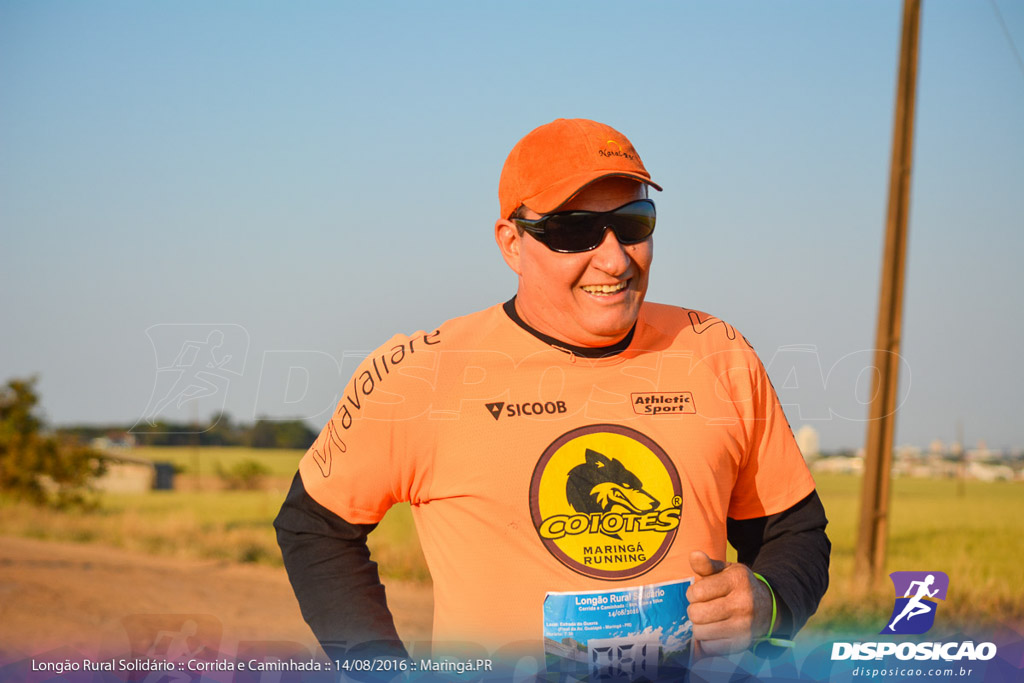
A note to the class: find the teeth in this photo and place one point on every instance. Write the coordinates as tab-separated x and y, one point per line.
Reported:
604	289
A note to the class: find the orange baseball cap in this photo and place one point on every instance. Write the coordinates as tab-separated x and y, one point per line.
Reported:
555	161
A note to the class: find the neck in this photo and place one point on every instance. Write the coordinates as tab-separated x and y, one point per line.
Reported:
583	351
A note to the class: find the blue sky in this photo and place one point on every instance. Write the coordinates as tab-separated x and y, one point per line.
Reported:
314	177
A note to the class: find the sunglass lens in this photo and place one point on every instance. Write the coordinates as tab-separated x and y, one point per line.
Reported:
572	232
577	231
633	223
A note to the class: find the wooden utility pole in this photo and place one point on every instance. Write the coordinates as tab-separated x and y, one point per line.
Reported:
195	445
961	458
869	557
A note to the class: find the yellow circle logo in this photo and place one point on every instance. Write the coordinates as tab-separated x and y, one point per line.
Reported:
606	500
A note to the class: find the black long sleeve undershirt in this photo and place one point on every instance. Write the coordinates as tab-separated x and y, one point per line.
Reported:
790	550
343	601
336	583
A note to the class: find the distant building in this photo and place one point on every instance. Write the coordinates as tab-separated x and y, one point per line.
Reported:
937	461
838	464
114	441
980	452
983	472
907	452
126	474
808	442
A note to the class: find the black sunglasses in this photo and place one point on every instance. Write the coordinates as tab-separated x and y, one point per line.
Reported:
571	232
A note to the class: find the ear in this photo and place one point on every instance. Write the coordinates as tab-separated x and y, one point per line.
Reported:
595	458
509	242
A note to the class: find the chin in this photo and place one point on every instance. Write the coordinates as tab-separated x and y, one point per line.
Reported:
612	330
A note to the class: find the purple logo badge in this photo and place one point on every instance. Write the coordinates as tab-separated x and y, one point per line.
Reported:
917	594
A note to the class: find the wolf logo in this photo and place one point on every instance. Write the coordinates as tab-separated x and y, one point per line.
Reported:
603	484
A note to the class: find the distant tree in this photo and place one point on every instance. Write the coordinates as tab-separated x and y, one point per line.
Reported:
247	475
280	434
294	434
263	434
221	431
35	466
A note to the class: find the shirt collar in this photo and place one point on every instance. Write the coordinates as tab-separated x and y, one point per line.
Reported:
582	351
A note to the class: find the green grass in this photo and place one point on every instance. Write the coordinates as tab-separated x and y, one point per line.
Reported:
281	462
224	525
974	538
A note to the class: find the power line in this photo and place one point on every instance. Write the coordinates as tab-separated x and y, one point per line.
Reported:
1009	36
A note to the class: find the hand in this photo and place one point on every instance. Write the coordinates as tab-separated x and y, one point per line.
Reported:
729	607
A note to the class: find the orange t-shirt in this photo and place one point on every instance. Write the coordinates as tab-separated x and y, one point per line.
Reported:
532	470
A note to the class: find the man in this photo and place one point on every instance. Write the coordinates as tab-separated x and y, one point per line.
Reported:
572	451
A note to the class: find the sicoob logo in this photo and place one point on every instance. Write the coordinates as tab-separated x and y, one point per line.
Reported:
606	501
914	612
517	409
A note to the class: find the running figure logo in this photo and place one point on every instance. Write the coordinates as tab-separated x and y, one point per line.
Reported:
916	595
194	368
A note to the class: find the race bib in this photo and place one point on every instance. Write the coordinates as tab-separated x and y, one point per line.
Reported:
626	634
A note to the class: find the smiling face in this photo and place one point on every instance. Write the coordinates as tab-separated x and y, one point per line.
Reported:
588	299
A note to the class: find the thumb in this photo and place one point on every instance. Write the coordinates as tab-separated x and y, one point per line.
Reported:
703	565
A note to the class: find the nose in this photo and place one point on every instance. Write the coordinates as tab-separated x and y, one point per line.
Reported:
610	256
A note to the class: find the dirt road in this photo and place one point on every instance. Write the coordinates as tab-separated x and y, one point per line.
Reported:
108	603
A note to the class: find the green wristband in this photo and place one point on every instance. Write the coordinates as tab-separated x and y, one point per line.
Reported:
767	639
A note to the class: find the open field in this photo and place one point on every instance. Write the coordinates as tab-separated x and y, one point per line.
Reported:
974	538
98	601
219	525
280	462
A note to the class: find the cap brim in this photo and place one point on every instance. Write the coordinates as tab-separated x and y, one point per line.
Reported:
561	192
